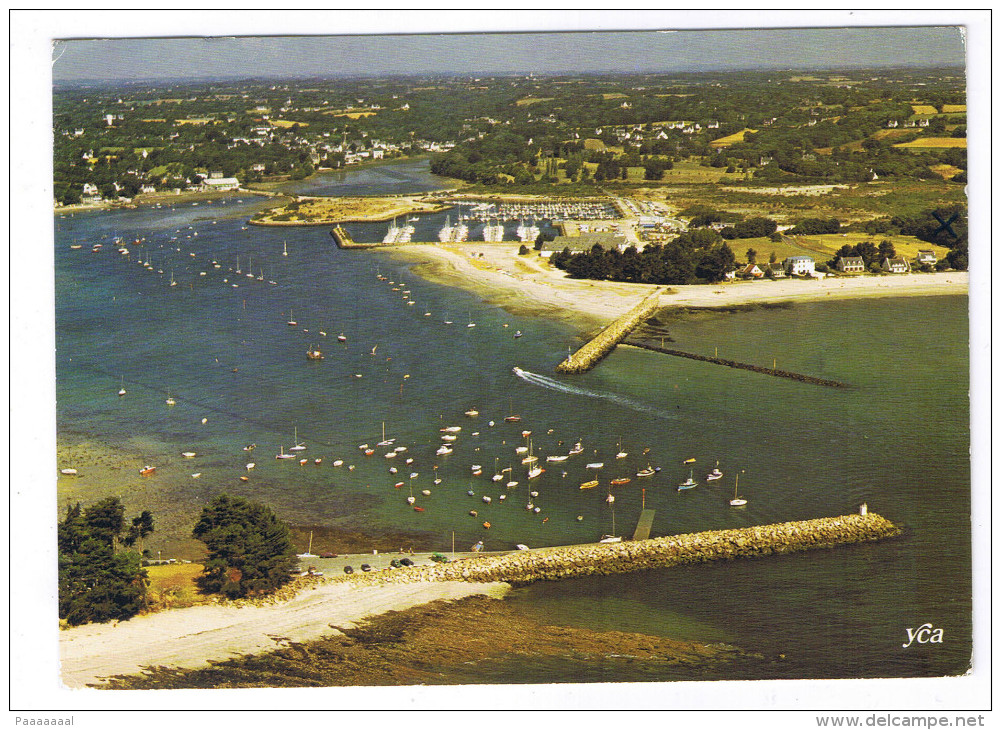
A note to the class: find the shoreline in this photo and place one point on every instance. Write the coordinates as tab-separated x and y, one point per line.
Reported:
190	638
524	285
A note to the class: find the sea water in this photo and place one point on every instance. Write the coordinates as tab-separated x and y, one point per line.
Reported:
897	437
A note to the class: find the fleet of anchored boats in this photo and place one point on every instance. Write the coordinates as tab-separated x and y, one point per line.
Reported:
505	479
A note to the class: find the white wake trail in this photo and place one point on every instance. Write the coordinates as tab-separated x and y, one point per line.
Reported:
543	381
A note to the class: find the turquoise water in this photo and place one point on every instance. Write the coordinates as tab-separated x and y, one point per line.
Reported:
897	438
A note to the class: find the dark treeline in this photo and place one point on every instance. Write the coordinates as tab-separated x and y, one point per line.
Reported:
689	258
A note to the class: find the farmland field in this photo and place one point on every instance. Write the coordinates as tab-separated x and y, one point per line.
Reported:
924	109
933	142
731	139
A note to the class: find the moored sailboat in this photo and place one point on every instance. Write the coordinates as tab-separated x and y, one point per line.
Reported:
737	501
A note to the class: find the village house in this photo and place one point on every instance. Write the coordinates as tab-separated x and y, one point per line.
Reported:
220	183
896	266
799	265
774	270
926	256
850	264
751	271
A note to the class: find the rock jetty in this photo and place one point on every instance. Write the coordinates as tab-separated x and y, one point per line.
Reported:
738	365
605	341
575	561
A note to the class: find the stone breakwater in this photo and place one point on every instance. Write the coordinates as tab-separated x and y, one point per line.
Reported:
575	561
605	341
738	365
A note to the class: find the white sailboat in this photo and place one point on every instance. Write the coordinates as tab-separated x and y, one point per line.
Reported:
284	248
385	441
737	501
121	391
309	550
611	537
296	445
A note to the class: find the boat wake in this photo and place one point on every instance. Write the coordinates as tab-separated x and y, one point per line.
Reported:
552	384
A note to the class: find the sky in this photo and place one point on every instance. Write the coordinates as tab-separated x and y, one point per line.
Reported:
124	59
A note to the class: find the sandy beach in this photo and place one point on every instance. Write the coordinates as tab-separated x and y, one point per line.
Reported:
190	637
529	285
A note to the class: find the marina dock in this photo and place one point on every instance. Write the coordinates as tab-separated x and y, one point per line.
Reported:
642	531
605	341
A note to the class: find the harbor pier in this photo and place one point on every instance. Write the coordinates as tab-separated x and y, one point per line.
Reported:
605	341
576	561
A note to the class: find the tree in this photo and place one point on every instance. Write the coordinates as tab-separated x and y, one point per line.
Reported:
886	249
752	256
250	550
98	582
141	527
714	264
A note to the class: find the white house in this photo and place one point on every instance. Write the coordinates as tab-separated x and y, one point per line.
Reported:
926	256
799	265
896	266
220	184
851	264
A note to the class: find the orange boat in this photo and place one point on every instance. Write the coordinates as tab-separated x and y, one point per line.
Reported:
147	470
621	480
486	525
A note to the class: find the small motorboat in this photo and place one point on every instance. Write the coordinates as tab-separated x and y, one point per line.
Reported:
620	481
595	465
68	472
188	454
606	539
714	475
589	485
648	472
688	483
147	470
472	412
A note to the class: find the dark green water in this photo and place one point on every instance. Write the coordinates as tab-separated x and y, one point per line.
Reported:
898	438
